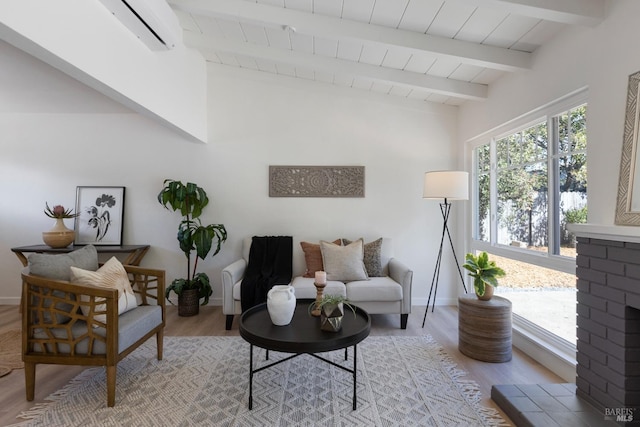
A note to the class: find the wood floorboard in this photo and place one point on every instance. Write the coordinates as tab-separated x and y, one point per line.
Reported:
442	325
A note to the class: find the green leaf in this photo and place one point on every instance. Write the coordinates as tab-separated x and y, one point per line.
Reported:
478	284
201	281
185	238
176	286
202	239
491	281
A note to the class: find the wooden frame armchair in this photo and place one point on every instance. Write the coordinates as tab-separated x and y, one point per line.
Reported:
55	330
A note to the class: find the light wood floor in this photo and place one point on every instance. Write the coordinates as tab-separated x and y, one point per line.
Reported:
442	325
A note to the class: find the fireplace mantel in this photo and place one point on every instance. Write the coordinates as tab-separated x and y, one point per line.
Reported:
618	233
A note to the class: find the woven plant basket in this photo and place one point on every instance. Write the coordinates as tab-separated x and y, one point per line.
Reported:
188	303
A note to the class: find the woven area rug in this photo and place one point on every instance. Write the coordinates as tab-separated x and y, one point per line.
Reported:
402	381
10	351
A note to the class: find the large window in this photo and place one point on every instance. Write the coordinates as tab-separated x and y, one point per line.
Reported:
529	184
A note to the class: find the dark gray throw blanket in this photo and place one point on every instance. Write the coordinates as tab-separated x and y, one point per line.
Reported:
269	264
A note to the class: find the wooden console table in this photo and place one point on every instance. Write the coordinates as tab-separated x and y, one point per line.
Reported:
135	252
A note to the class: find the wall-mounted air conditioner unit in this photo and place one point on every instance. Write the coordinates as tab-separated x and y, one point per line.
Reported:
152	21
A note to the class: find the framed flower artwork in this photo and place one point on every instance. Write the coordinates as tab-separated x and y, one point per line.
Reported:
101	214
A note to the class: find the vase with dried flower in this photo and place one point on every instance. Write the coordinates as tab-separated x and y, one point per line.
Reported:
59	236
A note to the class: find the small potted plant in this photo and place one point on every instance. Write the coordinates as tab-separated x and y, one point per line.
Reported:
485	274
190	199
331	311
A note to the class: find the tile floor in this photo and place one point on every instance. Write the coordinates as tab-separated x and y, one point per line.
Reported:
547	405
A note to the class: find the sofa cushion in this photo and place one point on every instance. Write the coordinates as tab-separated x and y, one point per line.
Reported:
344	263
304	288
111	275
372	257
313	257
57	267
374	289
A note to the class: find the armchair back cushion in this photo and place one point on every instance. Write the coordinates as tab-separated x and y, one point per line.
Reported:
111	275
58	267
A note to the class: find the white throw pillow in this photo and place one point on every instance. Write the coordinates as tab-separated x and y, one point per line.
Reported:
111	275
344	263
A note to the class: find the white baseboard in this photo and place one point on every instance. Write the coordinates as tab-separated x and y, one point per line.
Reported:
212	301
9	300
439	301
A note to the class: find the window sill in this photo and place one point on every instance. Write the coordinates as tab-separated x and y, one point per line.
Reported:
556	354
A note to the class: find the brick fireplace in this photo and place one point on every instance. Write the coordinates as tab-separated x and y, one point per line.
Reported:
608	272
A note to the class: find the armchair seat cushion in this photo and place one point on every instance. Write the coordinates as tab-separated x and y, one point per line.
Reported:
132	326
374	289
136	323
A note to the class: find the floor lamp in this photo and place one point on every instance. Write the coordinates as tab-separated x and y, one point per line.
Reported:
447	185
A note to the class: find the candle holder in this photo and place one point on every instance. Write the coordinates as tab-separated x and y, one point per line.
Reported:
319	291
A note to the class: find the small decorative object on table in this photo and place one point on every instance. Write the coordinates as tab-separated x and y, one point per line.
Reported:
281	304
320	283
59	236
485	274
331	311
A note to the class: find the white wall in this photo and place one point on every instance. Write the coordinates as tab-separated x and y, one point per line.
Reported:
599	58
57	134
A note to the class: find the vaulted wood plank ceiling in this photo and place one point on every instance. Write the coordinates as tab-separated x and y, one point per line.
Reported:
443	51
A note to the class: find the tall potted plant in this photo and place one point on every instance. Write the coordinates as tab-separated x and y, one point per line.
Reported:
190	199
485	274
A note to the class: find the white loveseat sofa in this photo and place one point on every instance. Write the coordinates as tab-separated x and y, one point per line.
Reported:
388	294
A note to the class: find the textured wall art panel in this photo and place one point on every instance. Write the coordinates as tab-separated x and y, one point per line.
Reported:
316	181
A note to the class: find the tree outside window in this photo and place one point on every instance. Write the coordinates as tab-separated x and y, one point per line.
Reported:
526	164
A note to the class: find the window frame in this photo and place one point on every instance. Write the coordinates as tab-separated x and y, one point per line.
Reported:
546	114
532	338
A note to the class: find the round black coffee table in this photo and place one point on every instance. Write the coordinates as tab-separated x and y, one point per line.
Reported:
302	336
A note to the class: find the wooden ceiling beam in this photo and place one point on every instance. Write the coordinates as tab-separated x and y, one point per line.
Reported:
573	12
440	85
368	34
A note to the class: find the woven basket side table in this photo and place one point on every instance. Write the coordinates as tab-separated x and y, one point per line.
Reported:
484	328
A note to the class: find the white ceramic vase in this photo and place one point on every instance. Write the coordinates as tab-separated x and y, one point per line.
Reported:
281	303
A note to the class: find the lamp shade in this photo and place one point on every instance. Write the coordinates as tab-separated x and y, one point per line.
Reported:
452	185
